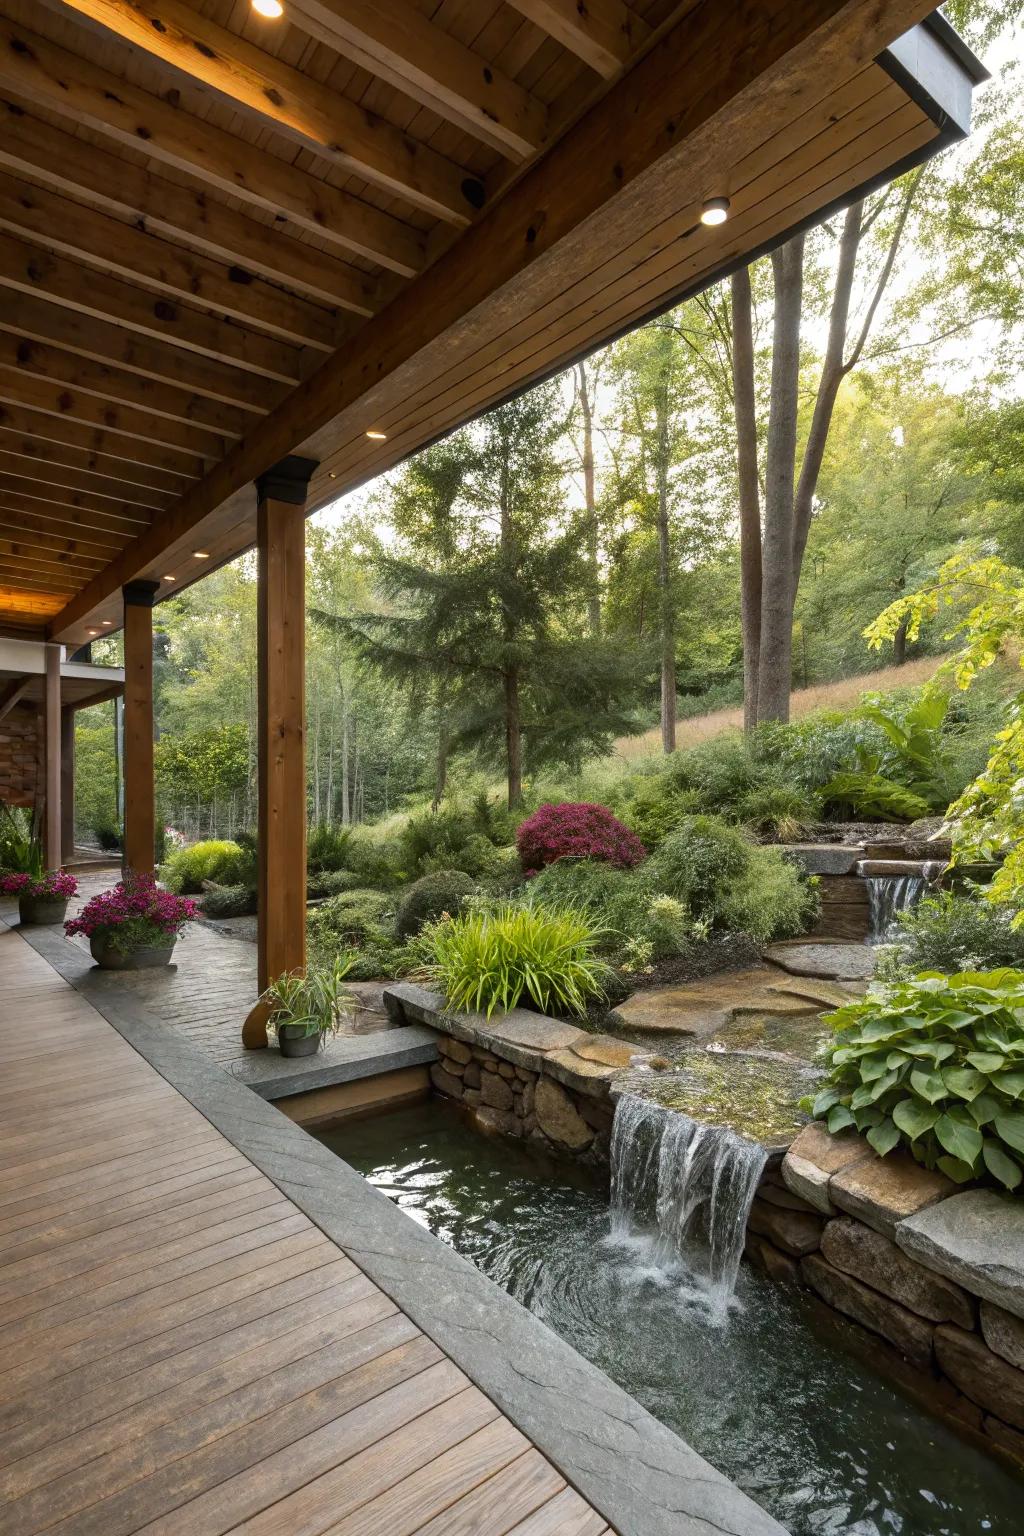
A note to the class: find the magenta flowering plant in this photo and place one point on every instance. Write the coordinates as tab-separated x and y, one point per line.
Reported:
136	914
55	885
576	830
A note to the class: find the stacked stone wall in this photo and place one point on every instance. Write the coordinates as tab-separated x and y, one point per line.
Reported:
19	756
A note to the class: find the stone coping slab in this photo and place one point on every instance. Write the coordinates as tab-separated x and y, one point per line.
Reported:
342	1060
975	1238
830	961
642	1477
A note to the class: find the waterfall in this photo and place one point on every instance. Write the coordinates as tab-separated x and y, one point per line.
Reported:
694	1182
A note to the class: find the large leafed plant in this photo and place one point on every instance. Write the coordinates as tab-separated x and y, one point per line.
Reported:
935	1064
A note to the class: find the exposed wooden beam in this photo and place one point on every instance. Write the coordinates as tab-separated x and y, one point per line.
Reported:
19	387
27	268
15	463
48	578
61	159
151	487
396	42
256	82
13	692
51	547
603	33
119	248
97	511
146	462
52	522
38	70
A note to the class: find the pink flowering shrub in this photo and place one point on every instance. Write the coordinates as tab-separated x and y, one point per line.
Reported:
55	885
576	831
136	914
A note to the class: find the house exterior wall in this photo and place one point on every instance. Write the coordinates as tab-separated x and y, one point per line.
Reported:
20	746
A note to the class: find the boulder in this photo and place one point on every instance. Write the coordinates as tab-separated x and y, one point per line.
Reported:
1010	1441
859	1251
496	1122
771	1261
842	962
824	858
795	1232
911	1334
445	1083
458	1050
883	1191
975	1238
471	1076
814	1157
495	1091
778	1194
1003	1333
984	1377
558	1117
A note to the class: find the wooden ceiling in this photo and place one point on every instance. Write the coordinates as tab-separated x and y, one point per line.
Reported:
224	239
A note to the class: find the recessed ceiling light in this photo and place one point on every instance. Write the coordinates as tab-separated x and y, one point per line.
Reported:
108	621
332	474
200	554
169	578
715	211
378	437
269	8
94	631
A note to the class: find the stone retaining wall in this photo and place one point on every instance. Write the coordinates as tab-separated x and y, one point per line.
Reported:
936	1274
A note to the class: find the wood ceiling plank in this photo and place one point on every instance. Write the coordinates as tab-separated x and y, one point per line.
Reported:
17	555
38	361
115	247
28	493
393	40
603	33
38	70
147	462
102	342
254	81
27	268
59	543
45	473
74	165
43	576
35	597
18	387
51	524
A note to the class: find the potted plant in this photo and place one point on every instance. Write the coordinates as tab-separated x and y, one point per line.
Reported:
306	1007
134	926
42	900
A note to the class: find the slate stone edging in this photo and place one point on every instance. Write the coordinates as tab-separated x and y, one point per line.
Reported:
342	1060
641	1477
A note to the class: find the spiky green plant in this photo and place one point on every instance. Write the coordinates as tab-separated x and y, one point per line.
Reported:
315	999
488	961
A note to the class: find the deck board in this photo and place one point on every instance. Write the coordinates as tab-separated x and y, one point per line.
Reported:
183	1352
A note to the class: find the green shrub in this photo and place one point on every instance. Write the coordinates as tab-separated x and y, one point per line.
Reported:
774	900
429	897
435	839
331	882
634	925
952	933
327	847
222	862
935	1064
487	961
352	918
652	806
230	901
783	811
376	860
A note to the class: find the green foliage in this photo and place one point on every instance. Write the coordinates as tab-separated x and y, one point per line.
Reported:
935	1064
21	849
867	794
327	847
430	897
951	932
494	960
910	776
359	925
332	882
652	806
314	1000
778	810
202	764
230	901
380	861
216	860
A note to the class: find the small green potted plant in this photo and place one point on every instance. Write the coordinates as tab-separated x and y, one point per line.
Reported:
306	1007
134	926
41	900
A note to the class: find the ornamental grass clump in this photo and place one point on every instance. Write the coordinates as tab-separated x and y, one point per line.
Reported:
935	1064
491	961
135	915
576	831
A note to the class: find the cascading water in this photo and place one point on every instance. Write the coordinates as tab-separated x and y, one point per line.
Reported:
694	1182
889	895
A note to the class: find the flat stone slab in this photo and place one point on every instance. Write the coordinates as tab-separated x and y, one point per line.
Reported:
824	858
814	1157
975	1238
342	1060
884	1191
704	1007
833	962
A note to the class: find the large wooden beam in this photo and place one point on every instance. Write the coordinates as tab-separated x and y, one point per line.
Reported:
256	82
20	387
395	41
39	71
144	463
99	512
13	692
51	757
18	458
281	727
67	783
139	788
603	33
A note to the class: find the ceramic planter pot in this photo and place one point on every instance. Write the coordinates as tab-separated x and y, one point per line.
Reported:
35	911
294	1041
110	959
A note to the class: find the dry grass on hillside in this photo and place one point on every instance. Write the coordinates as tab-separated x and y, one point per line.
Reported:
840	695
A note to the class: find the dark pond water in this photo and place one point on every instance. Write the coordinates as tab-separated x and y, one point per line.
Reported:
782	1409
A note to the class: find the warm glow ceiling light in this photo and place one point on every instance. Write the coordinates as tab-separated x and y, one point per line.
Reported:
378	437
200	554
108	621
272	9
715	211
94	631
168	578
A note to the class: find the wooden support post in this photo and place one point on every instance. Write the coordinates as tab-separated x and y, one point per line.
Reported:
139	793
67	783
281	688
51	757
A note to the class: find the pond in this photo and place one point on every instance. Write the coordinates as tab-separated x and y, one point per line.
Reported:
779	1406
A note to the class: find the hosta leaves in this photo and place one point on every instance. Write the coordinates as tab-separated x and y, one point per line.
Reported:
960	1139
929	1085
839	1118
1010	1128
1011	1083
884	1137
1000	1165
914	1118
871	1092
984	1108
956	1170
824	1102
986	1061
964	1081
874	1067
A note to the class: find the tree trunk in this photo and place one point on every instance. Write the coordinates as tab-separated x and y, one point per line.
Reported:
899	643
513	739
775	665
749	488
346	814
590	498
667	599
443	748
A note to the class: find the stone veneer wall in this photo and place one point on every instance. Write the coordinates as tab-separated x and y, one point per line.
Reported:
833	1217
19	756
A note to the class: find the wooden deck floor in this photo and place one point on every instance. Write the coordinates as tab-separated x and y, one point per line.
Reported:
184	1353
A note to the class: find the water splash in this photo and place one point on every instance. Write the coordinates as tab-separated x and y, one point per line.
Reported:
889	895
693	1182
